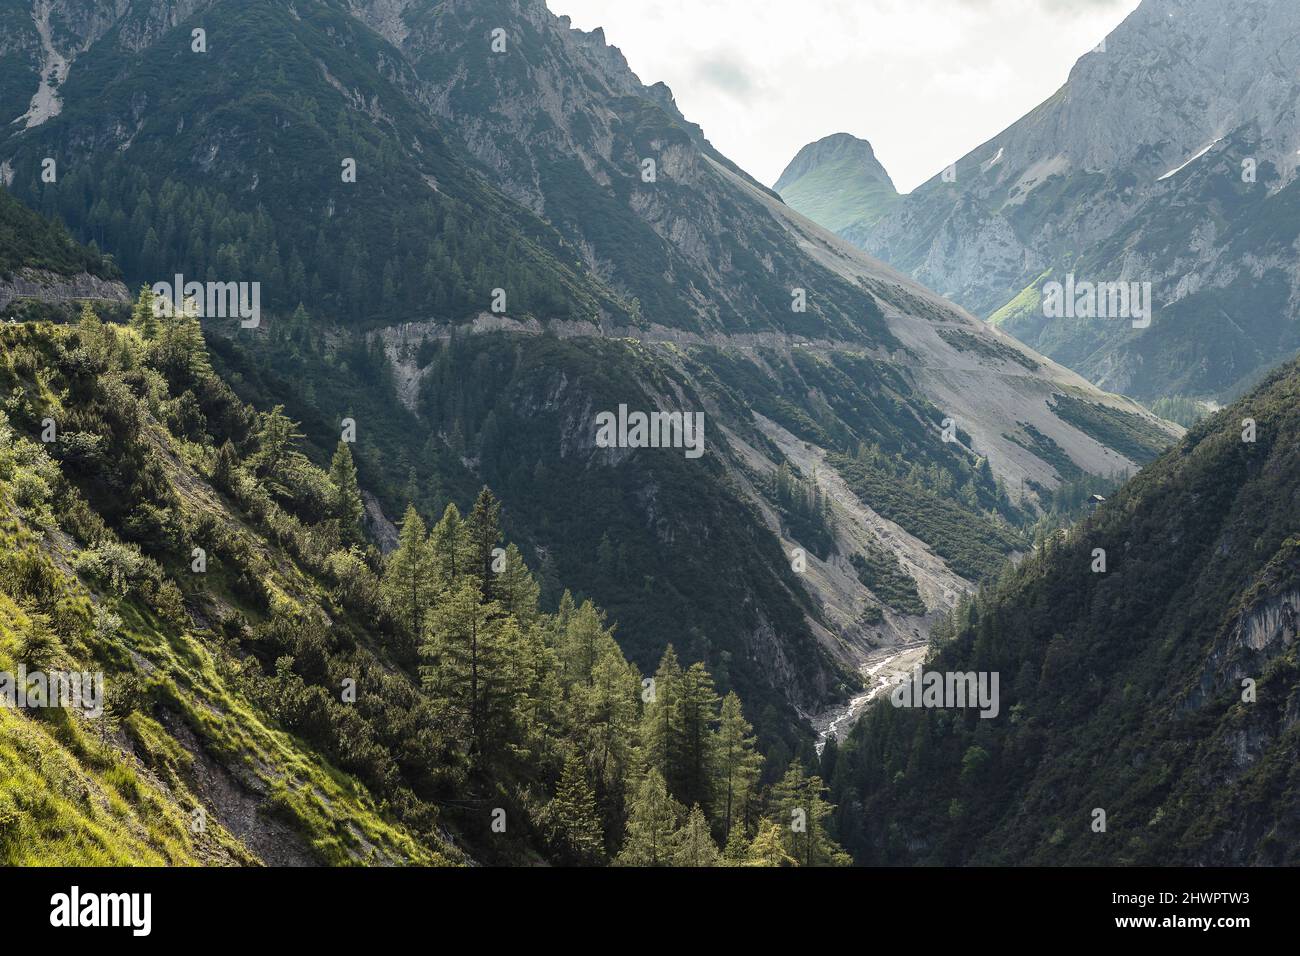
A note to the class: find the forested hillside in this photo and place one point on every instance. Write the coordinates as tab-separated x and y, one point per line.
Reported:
1148	669
278	690
31	242
471	243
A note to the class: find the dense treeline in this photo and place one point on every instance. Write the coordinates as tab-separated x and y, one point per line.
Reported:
500	410
432	675
29	241
964	523
804	509
163	227
1148	669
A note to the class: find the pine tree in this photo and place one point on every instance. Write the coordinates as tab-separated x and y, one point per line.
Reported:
693	844
574	818
736	765
347	505
651	824
802	812
408	584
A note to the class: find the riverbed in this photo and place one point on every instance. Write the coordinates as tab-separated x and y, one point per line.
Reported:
881	671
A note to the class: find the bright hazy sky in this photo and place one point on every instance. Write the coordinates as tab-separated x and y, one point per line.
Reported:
924	80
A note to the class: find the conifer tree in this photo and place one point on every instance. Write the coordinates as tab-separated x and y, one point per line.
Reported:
583	636
802	811
347	505
483	533
698	703
651	824
448	548
606	715
661	719
408	584
737	849
516	589
768	847
143	318
574	818
276	436
694	844
225	470
736	764
468	650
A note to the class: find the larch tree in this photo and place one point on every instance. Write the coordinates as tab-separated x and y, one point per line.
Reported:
469	650
802	811
408	583
693	843
736	765
651	824
661	718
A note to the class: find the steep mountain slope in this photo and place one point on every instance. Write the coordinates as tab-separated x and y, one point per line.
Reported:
837	182
1161	687
191	754
253	684
675	286
1168	157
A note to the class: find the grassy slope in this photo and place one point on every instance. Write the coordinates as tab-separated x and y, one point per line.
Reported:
123	792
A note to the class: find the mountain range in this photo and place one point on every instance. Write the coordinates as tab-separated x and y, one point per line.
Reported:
497	148
1169	157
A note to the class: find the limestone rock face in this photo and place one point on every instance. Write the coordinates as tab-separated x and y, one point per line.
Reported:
1169	156
50	287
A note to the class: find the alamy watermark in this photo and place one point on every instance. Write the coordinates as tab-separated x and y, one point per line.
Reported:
210	300
950	689
76	690
651	430
1098	300
133	911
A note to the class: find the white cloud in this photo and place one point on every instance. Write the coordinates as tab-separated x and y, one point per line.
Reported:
924	80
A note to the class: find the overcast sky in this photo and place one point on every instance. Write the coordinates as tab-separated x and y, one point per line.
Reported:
925	81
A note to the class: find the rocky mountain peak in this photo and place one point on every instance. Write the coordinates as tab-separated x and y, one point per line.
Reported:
834	149
838	183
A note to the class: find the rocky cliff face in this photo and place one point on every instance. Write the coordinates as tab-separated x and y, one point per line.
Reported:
1169	157
45	286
